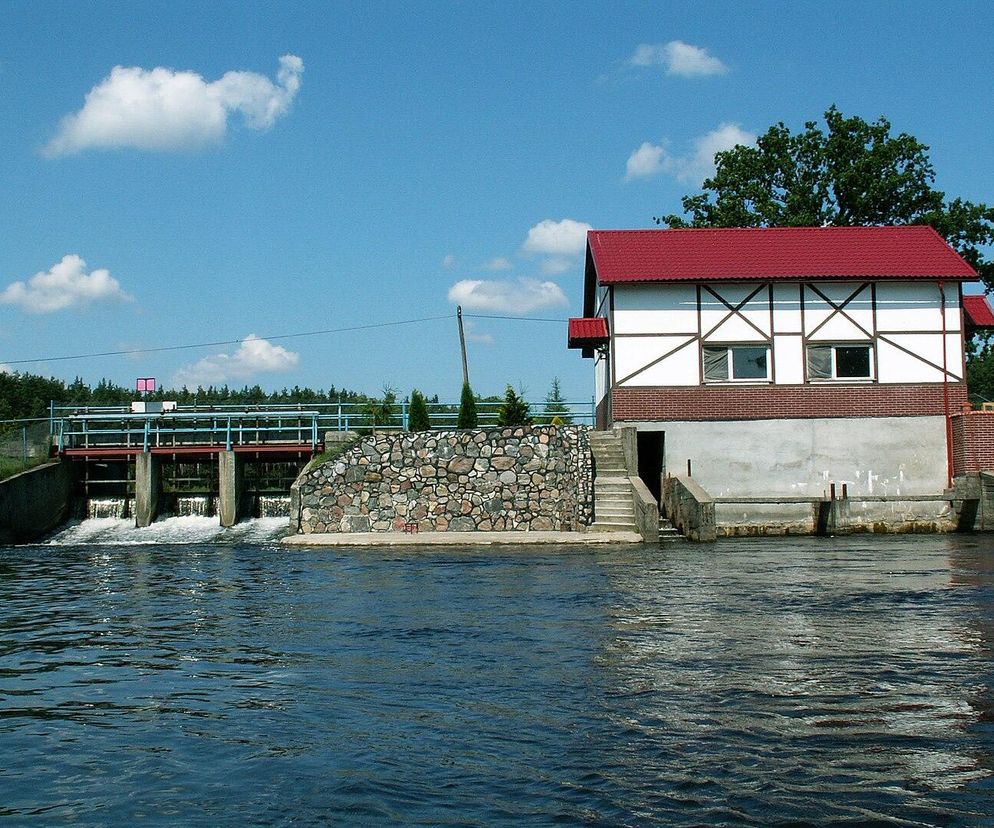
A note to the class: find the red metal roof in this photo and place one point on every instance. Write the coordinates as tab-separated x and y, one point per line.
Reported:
774	253
978	312
588	332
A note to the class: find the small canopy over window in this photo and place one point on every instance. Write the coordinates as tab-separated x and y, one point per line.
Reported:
977	314
588	333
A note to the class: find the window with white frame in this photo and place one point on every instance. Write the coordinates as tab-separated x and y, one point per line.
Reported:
741	363
848	361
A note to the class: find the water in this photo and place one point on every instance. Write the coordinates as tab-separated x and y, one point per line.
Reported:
756	682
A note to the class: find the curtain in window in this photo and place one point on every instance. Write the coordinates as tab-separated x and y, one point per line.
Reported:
819	362
715	363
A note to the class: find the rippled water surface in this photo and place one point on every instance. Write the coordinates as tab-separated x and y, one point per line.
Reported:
751	682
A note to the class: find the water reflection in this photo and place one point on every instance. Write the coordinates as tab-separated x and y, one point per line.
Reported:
752	683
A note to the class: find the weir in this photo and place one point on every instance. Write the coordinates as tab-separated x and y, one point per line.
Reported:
228	464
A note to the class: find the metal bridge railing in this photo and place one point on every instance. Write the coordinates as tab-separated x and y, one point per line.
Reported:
327	416
182	429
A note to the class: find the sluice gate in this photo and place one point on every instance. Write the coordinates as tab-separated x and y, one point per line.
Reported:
232	464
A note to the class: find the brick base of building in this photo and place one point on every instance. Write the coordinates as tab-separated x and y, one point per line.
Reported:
760	402
973	442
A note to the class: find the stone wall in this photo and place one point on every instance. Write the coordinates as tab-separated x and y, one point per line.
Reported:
34	502
497	479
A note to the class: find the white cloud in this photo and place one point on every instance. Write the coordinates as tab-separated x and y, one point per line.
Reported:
5	368
497	264
649	159
254	356
557	238
554	265
679	58
162	109
520	296
449	262
646	161
64	285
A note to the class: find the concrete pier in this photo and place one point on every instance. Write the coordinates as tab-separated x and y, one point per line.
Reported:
231	475
148	487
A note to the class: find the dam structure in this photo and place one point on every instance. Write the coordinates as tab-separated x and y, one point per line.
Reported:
151	458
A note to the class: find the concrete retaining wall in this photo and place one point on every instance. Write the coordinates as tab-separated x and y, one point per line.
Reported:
873	456
35	502
517	478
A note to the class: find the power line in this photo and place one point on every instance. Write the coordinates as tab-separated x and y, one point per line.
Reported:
513	318
160	349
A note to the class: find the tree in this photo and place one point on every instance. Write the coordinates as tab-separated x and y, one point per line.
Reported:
382	411
856	173
467	408
417	415
555	406
513	411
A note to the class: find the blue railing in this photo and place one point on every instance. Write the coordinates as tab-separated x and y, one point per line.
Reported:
69	420
184	429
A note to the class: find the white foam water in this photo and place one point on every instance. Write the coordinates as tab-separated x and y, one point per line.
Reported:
181	529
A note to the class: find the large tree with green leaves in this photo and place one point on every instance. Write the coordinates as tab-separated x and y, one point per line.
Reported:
849	173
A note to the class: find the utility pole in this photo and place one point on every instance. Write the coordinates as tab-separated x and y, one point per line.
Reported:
462	345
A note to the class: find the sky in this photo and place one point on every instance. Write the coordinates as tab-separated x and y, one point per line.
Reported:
238	176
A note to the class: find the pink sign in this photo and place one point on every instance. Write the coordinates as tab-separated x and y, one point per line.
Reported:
146	384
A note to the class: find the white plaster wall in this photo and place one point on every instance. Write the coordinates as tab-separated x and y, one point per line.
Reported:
788	359
680	368
756	310
786	308
655	309
915	306
602	367
817	310
758	458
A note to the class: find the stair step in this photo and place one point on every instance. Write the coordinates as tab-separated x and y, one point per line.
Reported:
605	526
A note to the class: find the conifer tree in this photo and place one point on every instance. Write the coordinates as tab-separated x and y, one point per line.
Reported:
417	415
513	411
467	408
555	406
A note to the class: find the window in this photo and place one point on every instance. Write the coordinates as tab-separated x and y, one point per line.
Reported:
736	362
836	362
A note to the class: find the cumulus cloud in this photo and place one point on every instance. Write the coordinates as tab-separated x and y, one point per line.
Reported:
65	285
557	238
520	296
678	58
162	109
650	159
254	356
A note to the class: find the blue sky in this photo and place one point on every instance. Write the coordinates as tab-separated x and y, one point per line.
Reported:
254	170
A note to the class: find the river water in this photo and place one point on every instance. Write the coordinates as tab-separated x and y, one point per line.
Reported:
754	682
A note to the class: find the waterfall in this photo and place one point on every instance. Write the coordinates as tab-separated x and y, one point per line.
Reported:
109	507
273	506
194	505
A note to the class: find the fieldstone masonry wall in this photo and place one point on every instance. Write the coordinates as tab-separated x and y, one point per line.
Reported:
497	479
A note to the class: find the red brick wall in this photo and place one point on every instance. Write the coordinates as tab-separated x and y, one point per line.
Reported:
774	402
973	442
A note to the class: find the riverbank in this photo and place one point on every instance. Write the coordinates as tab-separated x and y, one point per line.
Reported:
467	539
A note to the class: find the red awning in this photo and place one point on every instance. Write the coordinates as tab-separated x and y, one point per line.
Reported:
977	312
587	333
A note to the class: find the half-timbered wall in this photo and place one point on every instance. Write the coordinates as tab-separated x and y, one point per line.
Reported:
660	332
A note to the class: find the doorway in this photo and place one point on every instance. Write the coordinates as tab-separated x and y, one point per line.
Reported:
650	460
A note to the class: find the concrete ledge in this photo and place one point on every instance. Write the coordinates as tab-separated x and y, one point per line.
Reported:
462	538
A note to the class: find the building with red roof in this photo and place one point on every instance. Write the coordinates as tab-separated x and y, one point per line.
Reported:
778	360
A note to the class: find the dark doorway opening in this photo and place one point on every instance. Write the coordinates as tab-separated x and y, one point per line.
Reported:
650	451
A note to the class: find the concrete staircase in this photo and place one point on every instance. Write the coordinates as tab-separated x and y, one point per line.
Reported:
613	508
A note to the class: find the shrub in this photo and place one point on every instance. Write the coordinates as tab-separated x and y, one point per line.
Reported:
467	408
513	411
417	415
